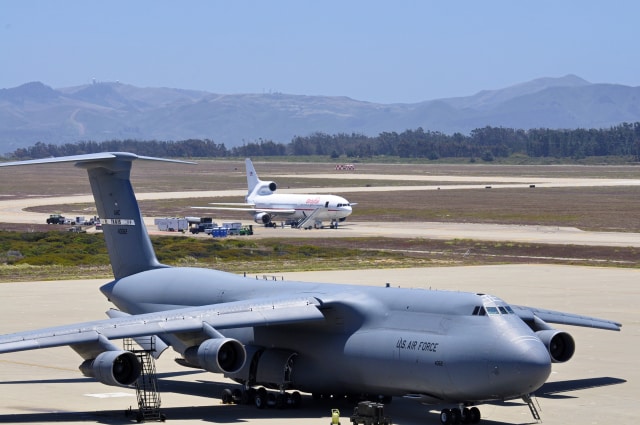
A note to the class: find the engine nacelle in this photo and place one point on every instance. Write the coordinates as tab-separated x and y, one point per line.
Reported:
265	188
218	355
118	368
560	344
262	218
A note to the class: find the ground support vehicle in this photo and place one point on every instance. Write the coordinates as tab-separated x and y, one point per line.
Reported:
56	219
202	227
370	413
172	224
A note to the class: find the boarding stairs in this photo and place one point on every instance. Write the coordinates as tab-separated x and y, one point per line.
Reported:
302	224
147	391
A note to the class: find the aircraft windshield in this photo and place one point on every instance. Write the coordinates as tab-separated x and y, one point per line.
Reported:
492	306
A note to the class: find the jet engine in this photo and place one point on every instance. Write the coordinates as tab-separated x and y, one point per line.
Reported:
266	188
262	218
218	355
560	344
118	368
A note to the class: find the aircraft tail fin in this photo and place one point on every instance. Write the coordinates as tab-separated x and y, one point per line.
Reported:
252	178
128	243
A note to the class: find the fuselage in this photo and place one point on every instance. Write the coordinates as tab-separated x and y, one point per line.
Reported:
378	340
331	207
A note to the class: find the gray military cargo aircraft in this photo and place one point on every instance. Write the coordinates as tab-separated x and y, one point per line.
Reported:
452	349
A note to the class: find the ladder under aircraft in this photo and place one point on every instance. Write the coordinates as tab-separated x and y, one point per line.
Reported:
147	391
532	407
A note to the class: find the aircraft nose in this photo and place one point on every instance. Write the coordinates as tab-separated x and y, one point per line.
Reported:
522	368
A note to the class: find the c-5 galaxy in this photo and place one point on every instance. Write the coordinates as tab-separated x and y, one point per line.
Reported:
452	349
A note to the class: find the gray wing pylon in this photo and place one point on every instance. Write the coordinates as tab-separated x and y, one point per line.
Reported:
156	346
220	316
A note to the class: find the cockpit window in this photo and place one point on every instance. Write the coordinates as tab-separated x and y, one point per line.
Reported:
479	311
495	305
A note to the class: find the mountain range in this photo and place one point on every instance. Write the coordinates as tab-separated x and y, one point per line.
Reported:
35	112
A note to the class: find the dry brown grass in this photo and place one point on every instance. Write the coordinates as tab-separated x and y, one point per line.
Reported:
588	208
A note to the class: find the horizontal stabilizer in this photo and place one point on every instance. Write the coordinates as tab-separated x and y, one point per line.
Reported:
128	244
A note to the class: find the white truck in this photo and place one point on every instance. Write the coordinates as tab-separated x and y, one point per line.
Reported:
172	224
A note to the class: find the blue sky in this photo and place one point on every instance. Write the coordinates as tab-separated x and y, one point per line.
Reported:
379	51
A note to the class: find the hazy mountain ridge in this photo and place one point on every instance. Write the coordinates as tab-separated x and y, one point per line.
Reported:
35	112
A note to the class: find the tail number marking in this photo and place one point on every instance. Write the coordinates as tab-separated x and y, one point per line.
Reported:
118	221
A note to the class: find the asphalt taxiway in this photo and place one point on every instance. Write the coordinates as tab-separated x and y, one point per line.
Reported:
600	385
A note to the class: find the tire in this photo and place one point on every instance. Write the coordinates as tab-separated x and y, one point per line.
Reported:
296	399
260	400
466	416
271	400
474	415
227	397
445	417
281	400
456	416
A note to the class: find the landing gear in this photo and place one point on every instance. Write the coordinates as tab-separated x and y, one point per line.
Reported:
261	398
458	416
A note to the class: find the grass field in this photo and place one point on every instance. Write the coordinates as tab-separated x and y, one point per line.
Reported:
588	208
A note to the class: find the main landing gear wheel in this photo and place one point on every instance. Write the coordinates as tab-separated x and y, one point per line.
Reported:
474	415
227	396
457	416
260	400
281	400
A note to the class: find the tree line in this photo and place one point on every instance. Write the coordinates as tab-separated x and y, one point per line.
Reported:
486	143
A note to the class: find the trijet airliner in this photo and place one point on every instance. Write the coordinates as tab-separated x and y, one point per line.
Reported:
455	350
305	211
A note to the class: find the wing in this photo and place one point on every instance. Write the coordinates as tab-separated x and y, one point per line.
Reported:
238	208
253	209
264	312
528	314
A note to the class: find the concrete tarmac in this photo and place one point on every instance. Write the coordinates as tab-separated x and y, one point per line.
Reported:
600	385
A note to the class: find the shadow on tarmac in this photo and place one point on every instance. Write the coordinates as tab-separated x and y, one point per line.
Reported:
402	411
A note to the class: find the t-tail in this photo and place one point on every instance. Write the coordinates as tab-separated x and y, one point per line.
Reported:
125	234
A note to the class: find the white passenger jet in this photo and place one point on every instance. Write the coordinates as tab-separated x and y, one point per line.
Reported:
306	211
